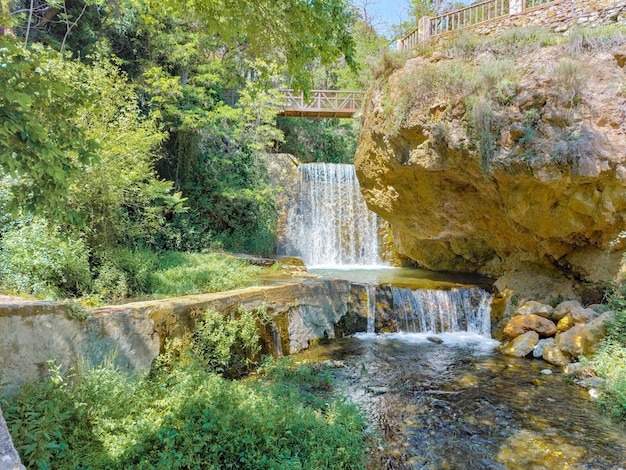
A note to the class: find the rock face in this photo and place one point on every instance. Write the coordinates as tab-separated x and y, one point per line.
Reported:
529	169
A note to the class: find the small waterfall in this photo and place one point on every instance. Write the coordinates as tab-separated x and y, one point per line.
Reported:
331	224
428	311
371	308
439	311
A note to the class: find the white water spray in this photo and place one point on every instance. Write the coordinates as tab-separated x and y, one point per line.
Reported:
331	226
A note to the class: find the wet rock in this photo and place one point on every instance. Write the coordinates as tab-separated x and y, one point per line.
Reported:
594	332
564	308
591	382
539	347
571	341
553	355
434	339
599	308
576	369
520	324
536	308
521	346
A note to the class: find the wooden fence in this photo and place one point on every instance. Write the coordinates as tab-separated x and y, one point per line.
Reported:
429	27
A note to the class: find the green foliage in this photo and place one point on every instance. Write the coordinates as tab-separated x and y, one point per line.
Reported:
41	259
119	198
610	360
227	346
42	145
192	273
307	31
185	417
319	140
484	126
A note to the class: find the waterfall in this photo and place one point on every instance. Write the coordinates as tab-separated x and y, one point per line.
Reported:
331	225
439	311
371	308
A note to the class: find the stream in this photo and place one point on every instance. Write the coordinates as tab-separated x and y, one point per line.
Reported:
459	405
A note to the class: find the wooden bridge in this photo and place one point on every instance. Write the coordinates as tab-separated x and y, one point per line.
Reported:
321	104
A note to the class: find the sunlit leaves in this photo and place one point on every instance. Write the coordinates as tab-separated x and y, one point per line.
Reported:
41	147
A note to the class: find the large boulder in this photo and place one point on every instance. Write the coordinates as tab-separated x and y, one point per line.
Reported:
543	182
521	346
520	324
594	331
553	355
571	341
564	308
575	316
535	307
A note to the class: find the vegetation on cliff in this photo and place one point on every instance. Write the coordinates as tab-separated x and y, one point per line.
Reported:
527	125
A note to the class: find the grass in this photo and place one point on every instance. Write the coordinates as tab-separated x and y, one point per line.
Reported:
193	273
185	415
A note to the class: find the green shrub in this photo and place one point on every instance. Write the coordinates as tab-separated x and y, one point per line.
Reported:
227	346
192	273
186	418
610	360
484	126
40	259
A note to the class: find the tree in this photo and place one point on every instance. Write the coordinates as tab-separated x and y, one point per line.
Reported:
299	30
40	149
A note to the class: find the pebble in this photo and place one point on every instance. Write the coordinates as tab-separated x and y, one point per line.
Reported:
546	372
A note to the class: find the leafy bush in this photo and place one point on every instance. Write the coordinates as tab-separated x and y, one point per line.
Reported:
40	259
610	360
185	418
227	346
181	273
319	140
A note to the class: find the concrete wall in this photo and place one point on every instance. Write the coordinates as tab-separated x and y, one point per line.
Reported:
32	333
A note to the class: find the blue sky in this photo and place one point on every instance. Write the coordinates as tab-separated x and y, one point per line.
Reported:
387	12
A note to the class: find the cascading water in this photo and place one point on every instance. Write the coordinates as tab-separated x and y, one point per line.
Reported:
437	311
331	224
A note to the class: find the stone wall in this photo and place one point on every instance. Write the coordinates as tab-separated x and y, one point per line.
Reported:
558	16
32	333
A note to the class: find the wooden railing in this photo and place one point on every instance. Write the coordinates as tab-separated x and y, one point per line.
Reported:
464	17
321	103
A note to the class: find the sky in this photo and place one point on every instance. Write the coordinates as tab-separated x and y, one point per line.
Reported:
386	12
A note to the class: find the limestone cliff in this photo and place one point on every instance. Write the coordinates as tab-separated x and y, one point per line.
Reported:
491	153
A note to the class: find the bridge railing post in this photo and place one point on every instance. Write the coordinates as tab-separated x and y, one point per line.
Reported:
516	6
423	28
